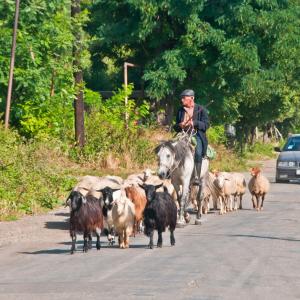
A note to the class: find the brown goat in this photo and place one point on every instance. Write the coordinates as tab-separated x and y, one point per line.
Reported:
258	186
138	198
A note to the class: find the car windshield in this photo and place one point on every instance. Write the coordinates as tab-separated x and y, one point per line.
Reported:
293	144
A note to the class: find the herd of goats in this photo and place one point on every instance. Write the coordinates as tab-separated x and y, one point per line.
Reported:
145	202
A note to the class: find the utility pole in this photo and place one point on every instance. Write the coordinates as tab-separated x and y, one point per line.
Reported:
126	64
78	76
12	64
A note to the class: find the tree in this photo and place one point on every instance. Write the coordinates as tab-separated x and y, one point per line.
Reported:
242	54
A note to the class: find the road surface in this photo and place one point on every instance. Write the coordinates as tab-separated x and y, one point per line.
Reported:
240	255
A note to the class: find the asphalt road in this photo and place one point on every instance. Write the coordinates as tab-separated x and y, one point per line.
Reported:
241	255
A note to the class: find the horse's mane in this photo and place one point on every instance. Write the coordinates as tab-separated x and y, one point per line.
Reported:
179	149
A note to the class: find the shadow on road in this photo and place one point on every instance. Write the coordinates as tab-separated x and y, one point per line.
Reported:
50	251
265	237
105	245
79	249
62	214
62	225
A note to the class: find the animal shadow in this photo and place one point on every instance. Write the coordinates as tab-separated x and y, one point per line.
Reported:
62	225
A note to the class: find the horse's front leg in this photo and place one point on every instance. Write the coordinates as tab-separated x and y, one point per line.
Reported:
183	199
199	201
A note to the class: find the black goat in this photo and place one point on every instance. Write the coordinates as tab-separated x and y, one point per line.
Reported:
160	212
86	217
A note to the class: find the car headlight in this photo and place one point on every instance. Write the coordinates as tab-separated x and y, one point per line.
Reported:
286	164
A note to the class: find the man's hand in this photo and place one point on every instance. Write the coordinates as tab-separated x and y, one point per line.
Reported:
187	124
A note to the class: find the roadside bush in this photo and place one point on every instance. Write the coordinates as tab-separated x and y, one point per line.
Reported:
260	151
30	177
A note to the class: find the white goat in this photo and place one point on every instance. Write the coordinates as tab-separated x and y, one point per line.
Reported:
123	214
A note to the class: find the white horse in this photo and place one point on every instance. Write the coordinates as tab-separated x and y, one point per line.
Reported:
176	161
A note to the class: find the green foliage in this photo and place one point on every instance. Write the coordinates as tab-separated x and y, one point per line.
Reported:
109	135
242	54
260	151
216	135
29	182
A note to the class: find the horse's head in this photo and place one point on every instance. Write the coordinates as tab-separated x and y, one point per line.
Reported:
166	159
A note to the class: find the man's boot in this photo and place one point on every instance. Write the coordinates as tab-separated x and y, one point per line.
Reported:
197	170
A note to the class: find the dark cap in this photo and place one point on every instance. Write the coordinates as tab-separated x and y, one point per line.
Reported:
187	93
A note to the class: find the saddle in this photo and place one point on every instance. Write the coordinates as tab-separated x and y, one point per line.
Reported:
192	143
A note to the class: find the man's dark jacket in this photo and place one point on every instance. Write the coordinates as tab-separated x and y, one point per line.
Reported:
200	121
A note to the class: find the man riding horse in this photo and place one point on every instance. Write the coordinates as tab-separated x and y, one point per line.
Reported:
192	116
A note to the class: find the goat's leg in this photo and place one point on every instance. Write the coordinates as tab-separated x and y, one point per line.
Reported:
122	239
85	242
110	235
98	233
172	237
90	242
151	239
127	235
159	241
241	198
73	237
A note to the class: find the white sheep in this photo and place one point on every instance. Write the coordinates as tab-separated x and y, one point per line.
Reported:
258	186
227	189
241	188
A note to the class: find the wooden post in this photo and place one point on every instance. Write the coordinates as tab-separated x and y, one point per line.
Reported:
12	64
78	78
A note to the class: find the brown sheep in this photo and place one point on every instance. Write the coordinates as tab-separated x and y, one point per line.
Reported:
258	186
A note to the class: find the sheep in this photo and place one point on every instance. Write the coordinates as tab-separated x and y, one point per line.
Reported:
209	192
227	189
138	197
241	188
258	186
148	176
122	213
91	184
86	216
160	212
